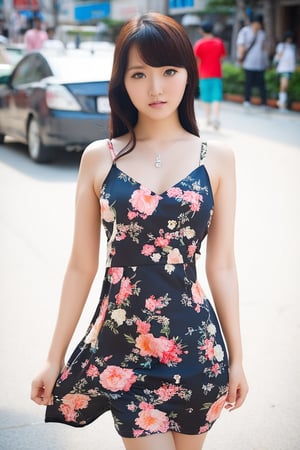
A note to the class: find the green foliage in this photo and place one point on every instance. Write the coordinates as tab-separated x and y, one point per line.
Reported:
220	6
272	83
234	79
294	87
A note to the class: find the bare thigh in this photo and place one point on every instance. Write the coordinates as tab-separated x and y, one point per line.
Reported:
166	441
189	442
163	441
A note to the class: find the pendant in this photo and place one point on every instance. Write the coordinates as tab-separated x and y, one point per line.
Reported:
157	161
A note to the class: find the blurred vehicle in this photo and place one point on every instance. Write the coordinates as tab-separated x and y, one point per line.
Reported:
56	100
10	55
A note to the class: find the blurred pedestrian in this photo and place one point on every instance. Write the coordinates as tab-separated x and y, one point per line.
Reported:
35	37
52	42
209	52
17	26
285	61
252	55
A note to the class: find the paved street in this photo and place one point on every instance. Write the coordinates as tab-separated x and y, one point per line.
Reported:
36	218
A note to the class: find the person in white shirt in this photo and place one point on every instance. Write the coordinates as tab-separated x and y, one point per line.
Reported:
252	55
285	60
52	42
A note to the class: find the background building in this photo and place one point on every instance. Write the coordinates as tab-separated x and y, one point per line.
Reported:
280	15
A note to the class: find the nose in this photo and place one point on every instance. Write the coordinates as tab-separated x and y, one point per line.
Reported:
155	86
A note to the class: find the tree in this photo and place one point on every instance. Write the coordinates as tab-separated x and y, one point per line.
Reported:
269	21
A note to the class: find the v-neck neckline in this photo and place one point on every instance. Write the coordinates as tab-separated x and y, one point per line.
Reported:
166	190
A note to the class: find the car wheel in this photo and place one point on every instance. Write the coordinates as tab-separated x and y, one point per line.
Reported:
38	152
2	136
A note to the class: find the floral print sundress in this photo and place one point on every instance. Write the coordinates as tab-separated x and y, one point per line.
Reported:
153	354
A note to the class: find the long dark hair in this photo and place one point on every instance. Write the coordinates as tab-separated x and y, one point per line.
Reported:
161	41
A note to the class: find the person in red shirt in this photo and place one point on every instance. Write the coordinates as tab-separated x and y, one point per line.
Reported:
209	52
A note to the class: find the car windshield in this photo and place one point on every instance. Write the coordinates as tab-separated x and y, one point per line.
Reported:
82	67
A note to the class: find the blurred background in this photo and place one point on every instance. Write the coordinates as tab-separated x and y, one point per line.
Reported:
75	21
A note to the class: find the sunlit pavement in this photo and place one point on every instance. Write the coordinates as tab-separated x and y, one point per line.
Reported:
36	219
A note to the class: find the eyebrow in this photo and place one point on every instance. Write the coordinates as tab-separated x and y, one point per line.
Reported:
136	67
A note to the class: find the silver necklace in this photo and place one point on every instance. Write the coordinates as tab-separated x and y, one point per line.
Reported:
157	161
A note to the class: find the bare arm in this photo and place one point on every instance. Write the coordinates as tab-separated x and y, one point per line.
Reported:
221	272
241	49
80	273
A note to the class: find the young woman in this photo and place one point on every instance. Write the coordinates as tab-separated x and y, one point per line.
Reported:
285	59
154	353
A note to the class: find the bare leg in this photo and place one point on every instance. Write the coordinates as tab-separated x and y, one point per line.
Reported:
163	441
216	114
166	441
207	112
189	442
284	83
282	100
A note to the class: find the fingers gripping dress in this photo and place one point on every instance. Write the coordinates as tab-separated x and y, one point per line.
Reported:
153	353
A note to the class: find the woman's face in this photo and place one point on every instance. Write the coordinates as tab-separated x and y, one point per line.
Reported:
156	92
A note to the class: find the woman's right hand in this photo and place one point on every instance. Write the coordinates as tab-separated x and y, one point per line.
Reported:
42	385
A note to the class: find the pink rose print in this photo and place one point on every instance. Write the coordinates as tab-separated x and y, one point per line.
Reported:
204	429
216	369
169	351
153	420
191	250
66	372
131	215
193	198
92	336
174	257
69	413
198	295
165	349
76	401
152	303
144	201
71	403
209	348
115	378
174	192
146	343
142	327
121	236
216	408
147	249
125	291
115	274
165	392
92	371
161	242
138	433
107	212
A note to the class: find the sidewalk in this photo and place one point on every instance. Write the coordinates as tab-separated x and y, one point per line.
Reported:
267	149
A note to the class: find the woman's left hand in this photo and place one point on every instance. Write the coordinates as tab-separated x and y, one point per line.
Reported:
238	387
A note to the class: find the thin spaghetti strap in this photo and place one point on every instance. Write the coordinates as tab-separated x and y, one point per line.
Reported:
203	152
111	149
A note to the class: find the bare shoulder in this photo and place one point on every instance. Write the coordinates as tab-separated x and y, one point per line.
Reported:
96	162
220	162
219	155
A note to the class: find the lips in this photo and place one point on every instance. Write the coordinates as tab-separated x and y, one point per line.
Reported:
157	103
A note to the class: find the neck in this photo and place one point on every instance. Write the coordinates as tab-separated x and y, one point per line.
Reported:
159	130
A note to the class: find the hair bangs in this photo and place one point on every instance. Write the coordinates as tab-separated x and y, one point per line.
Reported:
157	47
